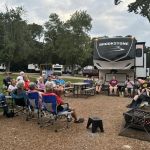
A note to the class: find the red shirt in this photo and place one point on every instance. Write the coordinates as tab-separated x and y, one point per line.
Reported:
26	85
113	82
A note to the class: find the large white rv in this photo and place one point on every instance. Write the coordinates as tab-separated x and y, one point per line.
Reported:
120	56
57	69
33	67
2	67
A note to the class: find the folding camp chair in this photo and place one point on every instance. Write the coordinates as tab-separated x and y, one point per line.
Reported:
3	104
50	110
19	102
33	105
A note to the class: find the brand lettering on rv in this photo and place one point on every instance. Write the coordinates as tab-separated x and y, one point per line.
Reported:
113	43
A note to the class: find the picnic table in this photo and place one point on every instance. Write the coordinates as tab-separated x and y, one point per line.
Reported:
78	88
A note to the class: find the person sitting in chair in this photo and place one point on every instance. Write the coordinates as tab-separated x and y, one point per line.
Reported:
113	86
19	94
49	90
129	85
99	83
7	80
142	94
12	86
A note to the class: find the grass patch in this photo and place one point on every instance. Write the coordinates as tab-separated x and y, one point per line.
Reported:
33	79
73	80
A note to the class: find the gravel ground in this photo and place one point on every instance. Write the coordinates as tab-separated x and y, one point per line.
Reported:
18	134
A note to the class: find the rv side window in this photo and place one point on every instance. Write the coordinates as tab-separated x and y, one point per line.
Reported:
139	52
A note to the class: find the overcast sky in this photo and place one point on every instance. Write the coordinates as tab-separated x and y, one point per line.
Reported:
108	19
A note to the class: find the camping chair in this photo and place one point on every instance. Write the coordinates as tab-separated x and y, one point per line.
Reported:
3	104
33	105
90	83
50	112
19	102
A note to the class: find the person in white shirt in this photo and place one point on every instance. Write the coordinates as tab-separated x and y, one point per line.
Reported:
49	80
129	85
20	77
12	86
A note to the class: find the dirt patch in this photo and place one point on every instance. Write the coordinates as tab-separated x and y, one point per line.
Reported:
18	134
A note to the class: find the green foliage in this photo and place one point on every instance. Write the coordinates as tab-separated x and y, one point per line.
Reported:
68	42
36	31
15	36
141	7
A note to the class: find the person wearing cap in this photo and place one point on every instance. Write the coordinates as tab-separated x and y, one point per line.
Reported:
20	77
50	90
143	94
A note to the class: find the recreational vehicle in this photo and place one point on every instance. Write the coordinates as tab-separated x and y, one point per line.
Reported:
2	67
120	56
33	68
57	69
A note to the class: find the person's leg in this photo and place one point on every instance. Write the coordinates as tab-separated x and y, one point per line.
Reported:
139	91
96	88
110	90
115	90
126	91
131	92
99	89
133	101
147	92
74	115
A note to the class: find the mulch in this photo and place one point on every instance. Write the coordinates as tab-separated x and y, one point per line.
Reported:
18	134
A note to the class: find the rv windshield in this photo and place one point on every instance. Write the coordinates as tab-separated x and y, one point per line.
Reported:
57	69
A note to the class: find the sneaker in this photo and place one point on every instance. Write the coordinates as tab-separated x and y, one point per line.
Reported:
80	120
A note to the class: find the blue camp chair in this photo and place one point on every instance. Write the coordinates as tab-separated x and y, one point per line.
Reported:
90	83
50	112
33	107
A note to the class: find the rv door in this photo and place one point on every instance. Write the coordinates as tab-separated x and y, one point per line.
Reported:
140	60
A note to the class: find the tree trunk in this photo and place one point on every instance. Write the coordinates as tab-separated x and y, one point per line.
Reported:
72	72
8	66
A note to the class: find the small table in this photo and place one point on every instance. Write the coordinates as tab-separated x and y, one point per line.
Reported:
79	87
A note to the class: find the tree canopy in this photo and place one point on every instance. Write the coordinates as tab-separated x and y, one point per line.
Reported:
57	41
141	7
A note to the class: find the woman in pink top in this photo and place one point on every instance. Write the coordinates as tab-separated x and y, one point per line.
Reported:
40	84
113	86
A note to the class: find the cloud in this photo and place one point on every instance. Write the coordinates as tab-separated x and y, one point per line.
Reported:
108	19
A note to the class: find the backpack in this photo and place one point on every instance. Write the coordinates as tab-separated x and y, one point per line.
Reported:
3	104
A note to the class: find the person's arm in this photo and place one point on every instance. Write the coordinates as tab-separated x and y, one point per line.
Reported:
59	100
132	83
117	83
125	84
110	83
